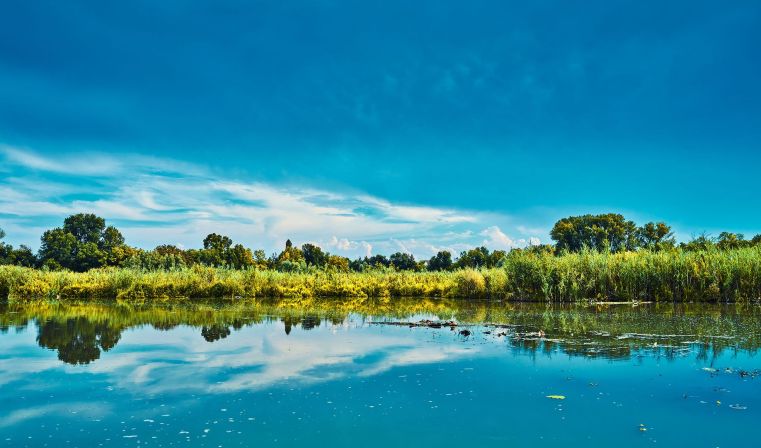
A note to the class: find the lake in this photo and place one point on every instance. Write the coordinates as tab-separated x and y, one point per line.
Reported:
355	373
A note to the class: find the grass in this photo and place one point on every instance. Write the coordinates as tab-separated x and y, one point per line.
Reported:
673	276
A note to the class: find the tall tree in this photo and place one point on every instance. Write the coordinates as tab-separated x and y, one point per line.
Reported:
403	261
313	255
609	231
655	236
84	242
474	258
442	261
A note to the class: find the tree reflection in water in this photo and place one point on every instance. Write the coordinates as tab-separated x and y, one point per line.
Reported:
78	340
80	332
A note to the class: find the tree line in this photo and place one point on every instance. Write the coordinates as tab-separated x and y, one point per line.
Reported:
85	242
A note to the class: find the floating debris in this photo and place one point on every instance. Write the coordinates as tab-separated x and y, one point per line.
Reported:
423	323
556	397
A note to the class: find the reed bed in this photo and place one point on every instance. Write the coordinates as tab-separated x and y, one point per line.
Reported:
674	276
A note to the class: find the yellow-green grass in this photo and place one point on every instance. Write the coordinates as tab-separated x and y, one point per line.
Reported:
713	276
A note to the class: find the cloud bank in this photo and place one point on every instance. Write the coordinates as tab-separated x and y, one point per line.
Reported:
157	201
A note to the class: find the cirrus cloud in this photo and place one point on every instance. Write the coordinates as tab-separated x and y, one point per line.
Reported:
156	201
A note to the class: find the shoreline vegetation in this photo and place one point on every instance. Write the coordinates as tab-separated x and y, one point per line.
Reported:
710	276
602	258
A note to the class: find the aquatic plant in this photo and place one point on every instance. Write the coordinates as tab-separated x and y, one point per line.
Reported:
676	276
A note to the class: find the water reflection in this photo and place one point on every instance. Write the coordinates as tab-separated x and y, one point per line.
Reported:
80	332
77	340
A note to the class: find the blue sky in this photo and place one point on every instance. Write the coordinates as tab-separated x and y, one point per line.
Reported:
378	126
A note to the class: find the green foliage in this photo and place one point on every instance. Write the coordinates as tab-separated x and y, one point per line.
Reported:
403	261
480	257
85	227
84	242
290	258
655	236
313	255
442	261
673	276
22	256
337	263
607	232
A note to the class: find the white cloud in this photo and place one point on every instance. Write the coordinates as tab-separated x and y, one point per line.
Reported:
252	358
155	201
496	239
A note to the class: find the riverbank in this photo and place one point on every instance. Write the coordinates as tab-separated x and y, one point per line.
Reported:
709	276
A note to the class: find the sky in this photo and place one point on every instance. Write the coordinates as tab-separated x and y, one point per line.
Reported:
378	126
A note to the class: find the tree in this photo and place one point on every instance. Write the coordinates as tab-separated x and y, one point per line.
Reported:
84	242
338	263
609	231
655	236
290	259
377	261
702	242
86	227
313	255
403	261
58	249
473	258
729	240
442	261
217	242
495	258
239	257
260	259
23	256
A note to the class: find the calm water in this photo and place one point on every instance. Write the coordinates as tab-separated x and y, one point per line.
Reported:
310	373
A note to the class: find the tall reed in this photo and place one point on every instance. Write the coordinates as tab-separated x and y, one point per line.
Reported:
712	276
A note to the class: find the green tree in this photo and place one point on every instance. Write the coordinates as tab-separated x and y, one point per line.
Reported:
217	242
701	242
442	261
337	263
239	257
403	261
377	261
313	255
260	259
58	249
84	242
291	255
6	251
495	258
655	236
86	227
609	231
729	240
473	258
23	256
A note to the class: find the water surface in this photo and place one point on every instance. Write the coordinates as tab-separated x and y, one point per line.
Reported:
290	373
